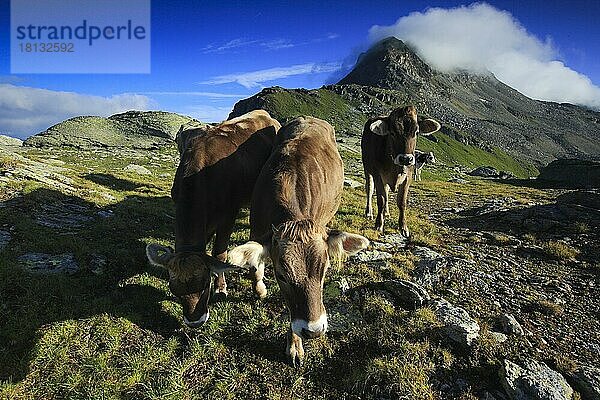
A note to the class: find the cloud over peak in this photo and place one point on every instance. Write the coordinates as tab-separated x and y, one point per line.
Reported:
481	38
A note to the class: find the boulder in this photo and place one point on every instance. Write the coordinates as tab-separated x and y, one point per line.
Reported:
485	172
49	264
533	380
458	324
138	169
428	269
572	173
587	382
371	256
510	325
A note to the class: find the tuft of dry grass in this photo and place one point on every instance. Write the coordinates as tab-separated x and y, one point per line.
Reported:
560	250
547	307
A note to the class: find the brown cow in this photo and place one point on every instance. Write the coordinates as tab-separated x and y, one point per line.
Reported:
215	178
298	192
388	146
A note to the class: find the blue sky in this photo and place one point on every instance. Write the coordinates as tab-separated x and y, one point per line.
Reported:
206	55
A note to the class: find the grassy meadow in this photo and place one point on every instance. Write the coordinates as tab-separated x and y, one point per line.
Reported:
112	330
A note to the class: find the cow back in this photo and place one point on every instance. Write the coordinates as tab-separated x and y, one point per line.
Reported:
303	178
217	174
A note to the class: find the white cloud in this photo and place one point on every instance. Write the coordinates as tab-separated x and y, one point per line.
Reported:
480	37
238	44
255	78
25	110
232	44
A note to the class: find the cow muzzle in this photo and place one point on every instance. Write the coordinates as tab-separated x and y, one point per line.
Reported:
310	329
198	322
404	160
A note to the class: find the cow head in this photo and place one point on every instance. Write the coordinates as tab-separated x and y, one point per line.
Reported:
430	158
300	252
401	128
190	280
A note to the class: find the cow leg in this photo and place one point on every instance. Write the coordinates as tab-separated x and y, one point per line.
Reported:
381	201
387	200
369	189
220	252
257	276
402	203
294	350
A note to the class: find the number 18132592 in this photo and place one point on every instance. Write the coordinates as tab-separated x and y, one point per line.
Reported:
43	47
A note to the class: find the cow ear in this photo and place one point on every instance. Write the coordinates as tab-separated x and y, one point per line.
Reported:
249	254
342	244
428	126
379	127
159	255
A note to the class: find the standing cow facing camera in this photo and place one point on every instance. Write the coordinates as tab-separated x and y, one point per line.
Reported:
216	175
298	192
388	146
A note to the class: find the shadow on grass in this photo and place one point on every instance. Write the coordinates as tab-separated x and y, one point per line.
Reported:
115	183
116	234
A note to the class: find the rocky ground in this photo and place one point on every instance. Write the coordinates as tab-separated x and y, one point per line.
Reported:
494	297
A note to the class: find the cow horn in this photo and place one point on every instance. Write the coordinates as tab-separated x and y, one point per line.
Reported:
153	252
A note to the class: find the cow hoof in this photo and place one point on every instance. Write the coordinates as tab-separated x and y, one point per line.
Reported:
379	227
406	233
295	360
220	294
369	215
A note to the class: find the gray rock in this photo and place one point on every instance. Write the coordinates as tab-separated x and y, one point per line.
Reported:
351	183
425	253
98	264
49	264
587	382
572	173
458	324
499	337
395	239
486	172
138	169
105	213
407	294
428	270
5	237
510	325
533	380
64	215
371	256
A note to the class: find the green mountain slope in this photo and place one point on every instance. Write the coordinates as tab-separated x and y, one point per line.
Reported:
135	129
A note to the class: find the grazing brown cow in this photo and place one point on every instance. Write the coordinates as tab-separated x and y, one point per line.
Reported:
298	192
388	146
215	178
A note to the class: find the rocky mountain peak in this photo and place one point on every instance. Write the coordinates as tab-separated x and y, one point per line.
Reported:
389	64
